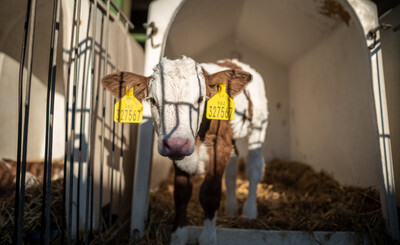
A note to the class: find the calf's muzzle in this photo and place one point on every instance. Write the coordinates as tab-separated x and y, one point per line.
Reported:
176	147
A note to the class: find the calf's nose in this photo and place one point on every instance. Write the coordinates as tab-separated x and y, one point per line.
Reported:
176	147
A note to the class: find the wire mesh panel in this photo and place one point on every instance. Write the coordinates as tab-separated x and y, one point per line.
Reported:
92	187
93	39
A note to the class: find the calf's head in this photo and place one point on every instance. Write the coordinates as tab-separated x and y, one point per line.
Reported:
177	92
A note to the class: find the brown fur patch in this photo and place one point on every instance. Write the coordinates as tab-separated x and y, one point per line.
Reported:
117	82
235	81
37	167
217	136
7	178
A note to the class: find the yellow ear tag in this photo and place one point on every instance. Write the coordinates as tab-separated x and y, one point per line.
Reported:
128	109
221	106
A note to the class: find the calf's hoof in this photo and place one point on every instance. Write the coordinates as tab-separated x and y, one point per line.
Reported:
250	209
179	236
209	234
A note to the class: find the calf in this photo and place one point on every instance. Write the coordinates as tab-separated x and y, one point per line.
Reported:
33	175
178	91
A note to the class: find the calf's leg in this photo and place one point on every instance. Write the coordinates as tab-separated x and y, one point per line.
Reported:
255	165
255	172
182	194
230	181
210	193
210	197
219	140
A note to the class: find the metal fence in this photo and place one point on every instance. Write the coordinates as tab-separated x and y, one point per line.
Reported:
83	218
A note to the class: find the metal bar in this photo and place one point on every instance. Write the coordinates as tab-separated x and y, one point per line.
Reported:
45	231
103	8
20	82
96	106
64	221
72	138
120	176
142	175
91	121
81	128
121	14
106	37
112	170
91	202
387	164
120	160
113	143
32	21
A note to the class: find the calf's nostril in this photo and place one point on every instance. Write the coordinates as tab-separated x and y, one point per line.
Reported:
165	144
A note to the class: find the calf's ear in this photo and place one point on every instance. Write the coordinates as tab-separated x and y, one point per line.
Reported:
235	80
117	82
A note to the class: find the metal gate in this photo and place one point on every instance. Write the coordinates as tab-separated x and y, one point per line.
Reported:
90	173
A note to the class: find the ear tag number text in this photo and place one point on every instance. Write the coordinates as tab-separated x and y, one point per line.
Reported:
221	106
128	109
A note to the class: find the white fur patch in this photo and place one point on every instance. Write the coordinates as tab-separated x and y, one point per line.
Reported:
250	208
209	234
180	236
195	163
176	86
231	205
255	165
203	158
188	164
255	172
30	180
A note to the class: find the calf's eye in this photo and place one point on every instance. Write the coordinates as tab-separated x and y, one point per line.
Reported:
200	99
152	101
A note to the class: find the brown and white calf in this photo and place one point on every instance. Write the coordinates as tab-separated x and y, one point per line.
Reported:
33	175
178	91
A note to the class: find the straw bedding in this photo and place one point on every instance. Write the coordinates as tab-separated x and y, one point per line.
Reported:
32	212
292	196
